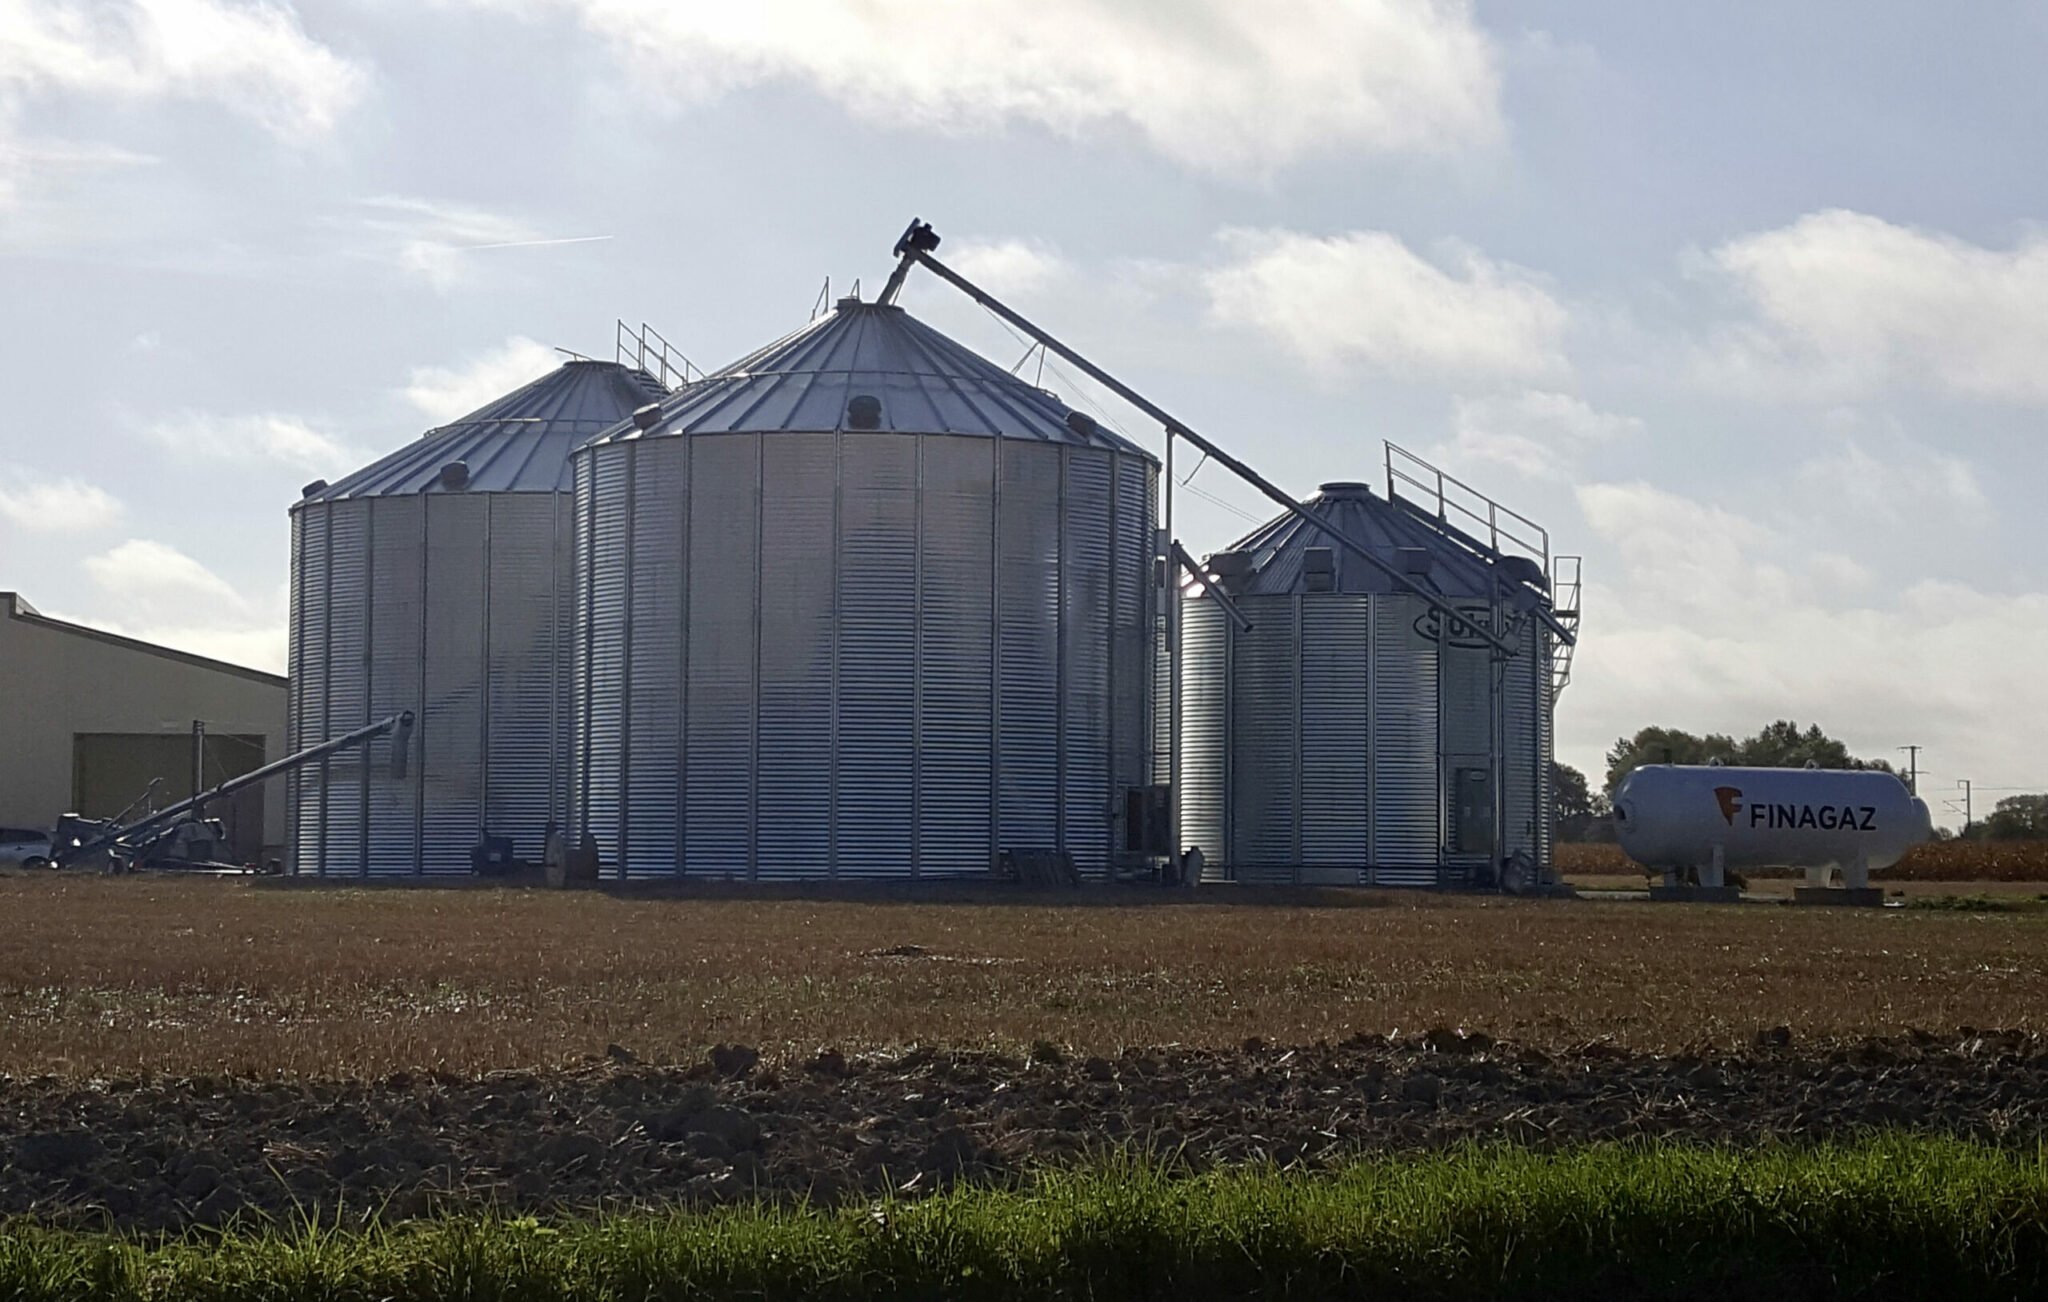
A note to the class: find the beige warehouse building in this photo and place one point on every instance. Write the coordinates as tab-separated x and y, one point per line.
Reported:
92	718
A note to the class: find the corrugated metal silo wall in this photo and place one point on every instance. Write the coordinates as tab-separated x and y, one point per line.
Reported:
1336	738
1205	645
1407	789
450	606
1265	753
1522	741
857	682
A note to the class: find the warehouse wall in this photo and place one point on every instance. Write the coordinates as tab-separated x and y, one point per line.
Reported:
60	680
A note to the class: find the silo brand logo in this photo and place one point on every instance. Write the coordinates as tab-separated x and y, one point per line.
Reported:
1827	818
1467	634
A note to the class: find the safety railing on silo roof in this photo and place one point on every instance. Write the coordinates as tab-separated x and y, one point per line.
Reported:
646	350
1463	507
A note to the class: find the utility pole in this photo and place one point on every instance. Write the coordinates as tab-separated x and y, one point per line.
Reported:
1964	783
1912	768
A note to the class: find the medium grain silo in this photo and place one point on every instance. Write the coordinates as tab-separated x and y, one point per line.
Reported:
438	580
1356	733
862	605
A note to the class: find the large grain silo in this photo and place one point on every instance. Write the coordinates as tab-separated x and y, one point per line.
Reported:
438	580
1356	733
861	605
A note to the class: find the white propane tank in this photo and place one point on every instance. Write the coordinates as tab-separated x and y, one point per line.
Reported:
1679	816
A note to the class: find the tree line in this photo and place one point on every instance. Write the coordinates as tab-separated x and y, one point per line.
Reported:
1582	813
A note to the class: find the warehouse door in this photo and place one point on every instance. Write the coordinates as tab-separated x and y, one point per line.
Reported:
109	770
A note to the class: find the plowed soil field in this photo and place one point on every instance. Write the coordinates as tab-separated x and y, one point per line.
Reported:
181	1051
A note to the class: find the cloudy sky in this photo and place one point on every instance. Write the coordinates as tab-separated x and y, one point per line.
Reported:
1745	302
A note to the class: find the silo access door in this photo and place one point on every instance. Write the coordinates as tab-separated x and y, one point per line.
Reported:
1471	812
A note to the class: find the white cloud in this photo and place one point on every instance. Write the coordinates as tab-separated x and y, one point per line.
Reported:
1715	621
159	582
1022	267
55	505
1218	85
434	240
444	393
252	58
1537	433
1844	302
1366	299
286	440
1904	482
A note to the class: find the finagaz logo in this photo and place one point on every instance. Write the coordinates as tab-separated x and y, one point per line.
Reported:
1731	802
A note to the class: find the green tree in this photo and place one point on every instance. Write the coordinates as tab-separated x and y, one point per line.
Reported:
1778	745
1664	746
1575	808
2017	818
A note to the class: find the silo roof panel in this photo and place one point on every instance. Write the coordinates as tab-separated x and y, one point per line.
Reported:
925	382
1279	549
517	443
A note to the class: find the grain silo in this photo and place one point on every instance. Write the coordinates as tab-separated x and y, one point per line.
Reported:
1355	733
862	605
438	580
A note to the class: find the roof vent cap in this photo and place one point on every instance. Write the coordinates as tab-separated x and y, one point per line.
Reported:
455	474
647	417
1082	423
864	411
846	301
1345	488
313	488
1413	561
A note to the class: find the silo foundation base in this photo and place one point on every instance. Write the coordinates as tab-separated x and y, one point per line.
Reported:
1865	897
1697	894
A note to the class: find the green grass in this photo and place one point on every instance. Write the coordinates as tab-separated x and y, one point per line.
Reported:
1979	903
1890	1217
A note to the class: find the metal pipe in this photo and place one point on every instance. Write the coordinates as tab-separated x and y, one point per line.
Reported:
1230	608
400	724
916	246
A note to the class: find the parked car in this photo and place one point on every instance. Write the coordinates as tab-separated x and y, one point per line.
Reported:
24	847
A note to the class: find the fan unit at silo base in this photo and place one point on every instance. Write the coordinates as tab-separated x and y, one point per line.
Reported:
1368	731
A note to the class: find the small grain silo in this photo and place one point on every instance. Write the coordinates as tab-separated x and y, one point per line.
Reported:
862	605
1356	733
438	579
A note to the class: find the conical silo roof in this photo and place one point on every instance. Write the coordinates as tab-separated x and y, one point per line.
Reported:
518	443
921	382
1277	551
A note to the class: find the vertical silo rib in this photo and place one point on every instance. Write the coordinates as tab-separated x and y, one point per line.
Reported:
424	724
628	536
756	597
797	584
838	623
581	632
918	682
1115	609
369	676
995	654
685	557
1299	723
1064	628
326	669
487	562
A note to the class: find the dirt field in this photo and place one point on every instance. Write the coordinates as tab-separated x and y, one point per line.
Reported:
180	1052
1940	861
114	977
